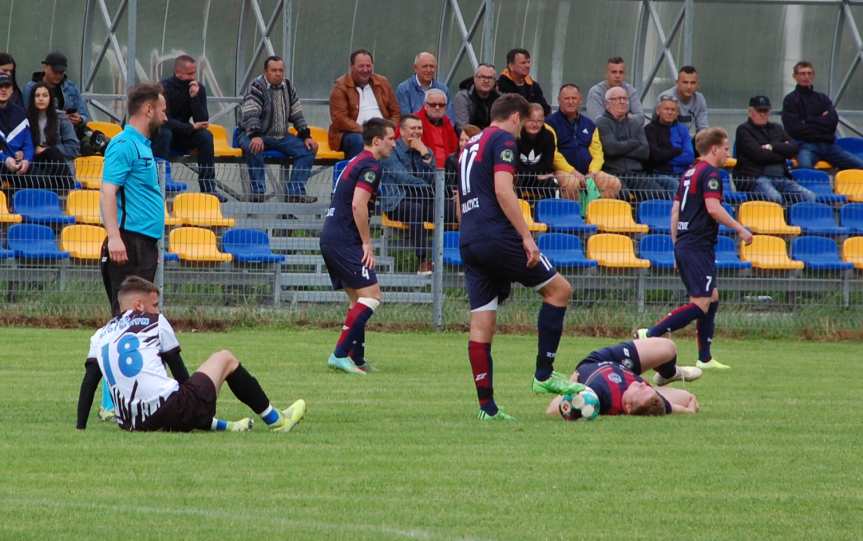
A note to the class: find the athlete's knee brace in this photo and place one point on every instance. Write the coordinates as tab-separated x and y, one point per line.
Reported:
369	302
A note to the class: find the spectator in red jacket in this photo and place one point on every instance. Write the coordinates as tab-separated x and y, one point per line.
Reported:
438	132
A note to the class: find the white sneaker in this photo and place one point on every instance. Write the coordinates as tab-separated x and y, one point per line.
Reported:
684	373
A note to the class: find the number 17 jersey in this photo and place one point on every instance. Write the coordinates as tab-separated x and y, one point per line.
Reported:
128	350
482	218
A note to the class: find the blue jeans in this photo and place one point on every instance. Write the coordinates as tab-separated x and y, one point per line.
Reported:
669	183
774	189
352	144
290	146
809	153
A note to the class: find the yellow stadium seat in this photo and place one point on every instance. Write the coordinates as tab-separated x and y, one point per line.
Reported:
616	251
7	217
170	220
768	252
852	251
196	244
83	241
88	170
613	216
84	206
822	165
108	128
325	153
535	227
200	209
766	218
221	144
401	226
850	184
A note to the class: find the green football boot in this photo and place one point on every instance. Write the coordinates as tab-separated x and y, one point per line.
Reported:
499	416
557	383
345	364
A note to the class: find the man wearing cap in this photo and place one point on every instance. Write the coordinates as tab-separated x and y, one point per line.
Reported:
16	143
762	148
64	93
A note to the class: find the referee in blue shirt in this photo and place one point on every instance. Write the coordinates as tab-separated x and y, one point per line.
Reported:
133	210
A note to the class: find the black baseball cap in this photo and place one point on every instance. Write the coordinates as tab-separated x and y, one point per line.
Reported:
759	102
57	61
5	79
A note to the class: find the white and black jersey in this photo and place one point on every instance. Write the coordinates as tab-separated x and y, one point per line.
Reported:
129	352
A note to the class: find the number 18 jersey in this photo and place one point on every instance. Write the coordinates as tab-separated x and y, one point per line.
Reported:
128	350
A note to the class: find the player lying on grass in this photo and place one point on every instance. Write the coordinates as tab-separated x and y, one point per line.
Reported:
129	353
613	373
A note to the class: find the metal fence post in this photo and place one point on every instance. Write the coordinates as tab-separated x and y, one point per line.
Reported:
160	267
437	250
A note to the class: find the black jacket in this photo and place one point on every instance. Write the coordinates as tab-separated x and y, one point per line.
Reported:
182	107
531	91
535	154
661	150
809	116
754	161
479	109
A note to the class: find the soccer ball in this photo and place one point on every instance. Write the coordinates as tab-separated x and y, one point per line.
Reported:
584	405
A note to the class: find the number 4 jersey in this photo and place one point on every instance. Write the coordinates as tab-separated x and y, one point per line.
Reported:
128	350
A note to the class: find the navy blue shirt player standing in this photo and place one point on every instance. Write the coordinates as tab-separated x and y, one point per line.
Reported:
346	243
497	249
695	214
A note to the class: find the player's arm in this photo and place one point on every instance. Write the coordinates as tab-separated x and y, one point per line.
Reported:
681	401
360	209
675	217
506	198
718	213
108	204
92	377
175	362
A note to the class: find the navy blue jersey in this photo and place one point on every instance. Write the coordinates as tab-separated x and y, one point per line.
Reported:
482	218
362	172
696	228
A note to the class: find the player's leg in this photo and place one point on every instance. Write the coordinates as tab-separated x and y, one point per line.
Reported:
350	345
704	334
698	273
660	354
223	366
556	295
483	323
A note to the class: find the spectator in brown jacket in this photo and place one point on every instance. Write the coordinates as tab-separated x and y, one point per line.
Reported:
357	96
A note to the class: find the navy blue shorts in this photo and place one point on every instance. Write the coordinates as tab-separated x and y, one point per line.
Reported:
345	266
697	269
491	267
624	354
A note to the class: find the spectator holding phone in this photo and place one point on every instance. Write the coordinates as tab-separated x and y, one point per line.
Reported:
64	93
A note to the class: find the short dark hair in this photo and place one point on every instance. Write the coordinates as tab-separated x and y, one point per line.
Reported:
615	60
689	70
136	284
803	64
375	127
184	59
508	104
273	58
142	93
709	138
409	116
510	56
568	85
654	406
359	52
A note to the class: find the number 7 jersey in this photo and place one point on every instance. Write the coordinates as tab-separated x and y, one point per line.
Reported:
696	228
128	350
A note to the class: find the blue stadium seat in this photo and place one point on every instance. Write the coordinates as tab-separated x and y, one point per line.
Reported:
728	194
818	253
818	182
564	250
171	257
851	216
40	206
5	254
249	246
815	219
726	255
171	186
658	249
854	145
562	215
723	229
34	243
338	167
656	213
451	250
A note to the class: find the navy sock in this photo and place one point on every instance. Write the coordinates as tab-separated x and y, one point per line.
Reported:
677	319
355	324
247	390
358	349
668	369
550	327
704	332
481	363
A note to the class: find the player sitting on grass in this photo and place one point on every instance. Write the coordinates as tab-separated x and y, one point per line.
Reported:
613	373
129	352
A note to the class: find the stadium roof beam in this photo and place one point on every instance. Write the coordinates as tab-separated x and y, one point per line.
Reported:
647	14
110	40
844	17
485	13
266	30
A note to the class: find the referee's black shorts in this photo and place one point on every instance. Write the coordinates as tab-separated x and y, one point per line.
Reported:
143	256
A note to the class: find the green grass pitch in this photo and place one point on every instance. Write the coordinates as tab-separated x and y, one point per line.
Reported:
774	454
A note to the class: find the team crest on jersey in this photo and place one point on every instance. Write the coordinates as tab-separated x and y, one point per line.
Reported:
713	184
369	176
614	378
627	363
507	155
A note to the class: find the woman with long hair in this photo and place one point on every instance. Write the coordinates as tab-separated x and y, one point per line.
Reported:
54	139
8	66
